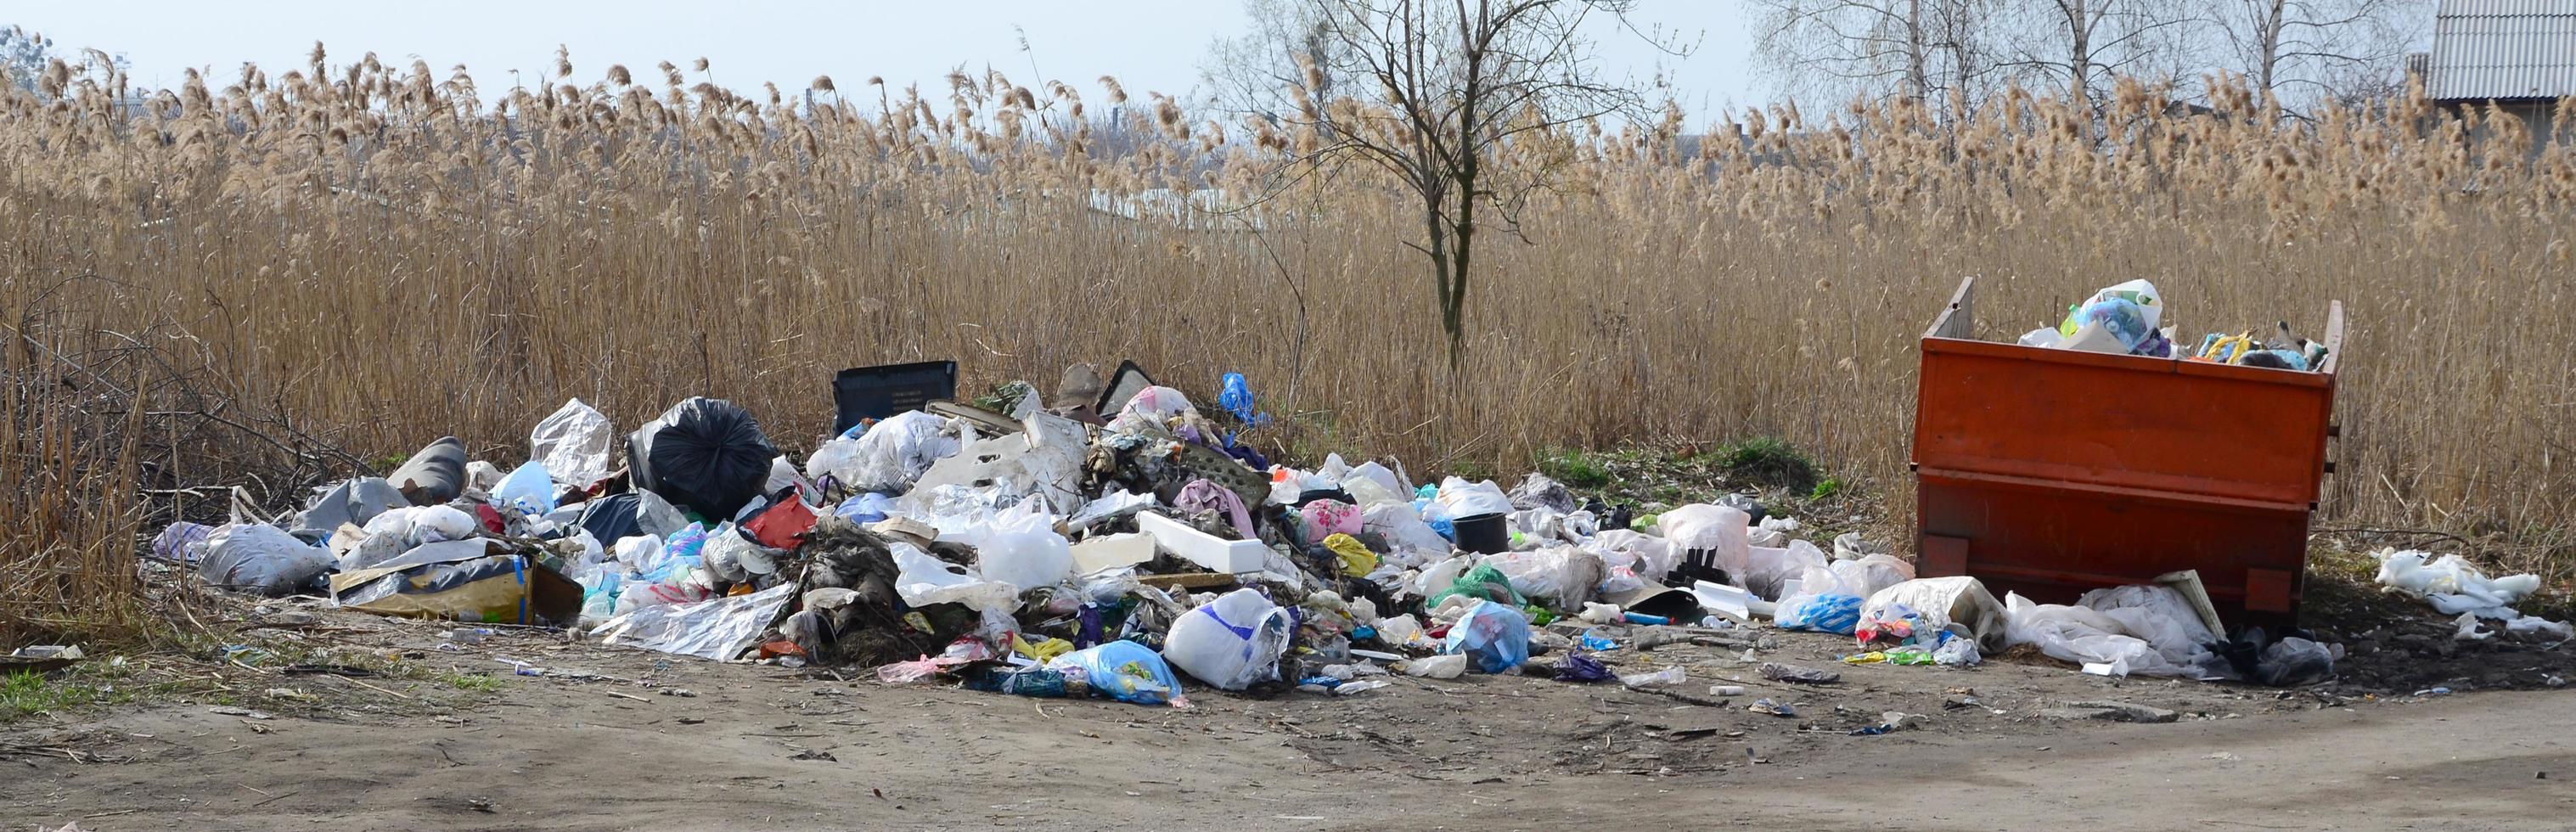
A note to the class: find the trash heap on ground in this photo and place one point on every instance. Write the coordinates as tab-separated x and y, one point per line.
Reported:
1054	552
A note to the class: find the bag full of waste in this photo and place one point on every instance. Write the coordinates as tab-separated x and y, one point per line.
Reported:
1723	533
1231	642
1483	582
1460	498
260	558
889	457
573	444
1124	671
352	501
1958	604
1495	636
1019	546
528	489
433	476
706	454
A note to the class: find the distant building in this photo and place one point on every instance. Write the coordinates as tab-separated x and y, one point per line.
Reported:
2519	54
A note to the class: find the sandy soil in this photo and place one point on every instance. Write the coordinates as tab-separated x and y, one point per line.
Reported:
607	740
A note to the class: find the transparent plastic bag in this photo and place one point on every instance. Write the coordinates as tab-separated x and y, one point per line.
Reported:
1496	637
573	444
922	580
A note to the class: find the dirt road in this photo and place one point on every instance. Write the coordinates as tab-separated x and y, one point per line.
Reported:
607	740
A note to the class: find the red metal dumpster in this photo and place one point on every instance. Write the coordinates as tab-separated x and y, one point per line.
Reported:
2049	472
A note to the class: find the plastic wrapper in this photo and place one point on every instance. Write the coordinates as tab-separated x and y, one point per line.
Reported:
1565	574
1019	547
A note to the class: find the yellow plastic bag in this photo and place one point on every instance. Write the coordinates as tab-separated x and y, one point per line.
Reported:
1357	560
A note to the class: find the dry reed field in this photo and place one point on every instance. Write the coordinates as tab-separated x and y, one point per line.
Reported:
277	278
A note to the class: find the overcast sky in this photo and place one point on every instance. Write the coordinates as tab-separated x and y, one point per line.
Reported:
1147	44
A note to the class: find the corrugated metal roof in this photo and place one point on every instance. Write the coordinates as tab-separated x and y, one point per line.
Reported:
2486	49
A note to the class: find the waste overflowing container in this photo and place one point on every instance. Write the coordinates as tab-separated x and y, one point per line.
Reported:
2049	472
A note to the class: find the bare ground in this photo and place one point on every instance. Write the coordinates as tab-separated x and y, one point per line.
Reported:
606	739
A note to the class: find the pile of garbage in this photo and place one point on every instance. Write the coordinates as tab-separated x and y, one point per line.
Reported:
1064	552
2127	319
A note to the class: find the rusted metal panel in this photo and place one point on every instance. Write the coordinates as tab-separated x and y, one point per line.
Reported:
2053	471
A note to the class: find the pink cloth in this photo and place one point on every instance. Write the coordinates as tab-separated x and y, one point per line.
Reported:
1202	495
1330	517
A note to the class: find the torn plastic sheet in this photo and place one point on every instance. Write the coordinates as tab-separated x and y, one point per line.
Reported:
717	629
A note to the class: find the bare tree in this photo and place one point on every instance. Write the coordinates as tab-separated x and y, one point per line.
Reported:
1923	50
2303	51
1440	91
2080	46
1253	73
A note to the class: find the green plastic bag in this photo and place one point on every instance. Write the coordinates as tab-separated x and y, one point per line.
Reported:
1484	582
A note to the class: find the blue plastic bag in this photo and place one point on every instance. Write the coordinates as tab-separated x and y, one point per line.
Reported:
865	508
1237	399
1494	635
528	489
1832	612
1124	671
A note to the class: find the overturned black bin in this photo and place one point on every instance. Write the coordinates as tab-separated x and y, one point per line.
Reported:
863	393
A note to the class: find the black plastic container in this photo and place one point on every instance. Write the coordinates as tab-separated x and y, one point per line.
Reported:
881	391
1484	534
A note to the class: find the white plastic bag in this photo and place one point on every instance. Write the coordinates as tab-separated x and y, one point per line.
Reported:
573	444
2454	585
1404	530
1019	547
1373	472
260	558
1231	642
426	524
1720	530
1568	575
2086	636
2156	614
922	580
1766	571
529	489
1472	499
889	457
1956	603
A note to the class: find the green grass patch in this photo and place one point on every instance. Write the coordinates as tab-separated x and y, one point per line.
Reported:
1576	468
1770	463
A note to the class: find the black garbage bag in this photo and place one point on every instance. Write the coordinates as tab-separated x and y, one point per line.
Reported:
706	454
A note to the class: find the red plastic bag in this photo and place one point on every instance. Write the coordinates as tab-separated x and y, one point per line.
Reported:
784	524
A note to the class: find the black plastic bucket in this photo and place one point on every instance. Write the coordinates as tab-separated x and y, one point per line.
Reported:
1484	534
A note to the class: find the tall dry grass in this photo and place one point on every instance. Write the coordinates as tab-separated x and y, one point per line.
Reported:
366	257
